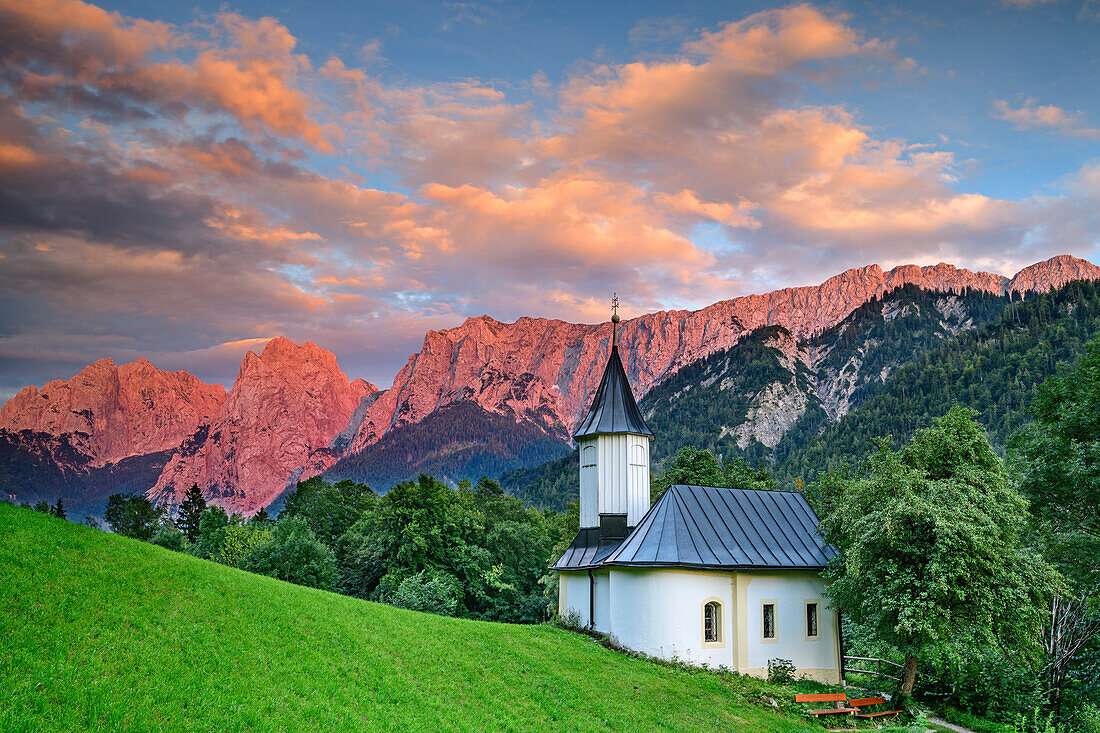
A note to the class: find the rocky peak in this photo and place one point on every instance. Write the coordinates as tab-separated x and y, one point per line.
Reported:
289	402
545	370
1053	273
113	412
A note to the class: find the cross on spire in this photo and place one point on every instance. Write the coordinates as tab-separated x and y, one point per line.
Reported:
614	317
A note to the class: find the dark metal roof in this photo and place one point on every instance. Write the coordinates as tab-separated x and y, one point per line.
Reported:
705	527
588	550
613	408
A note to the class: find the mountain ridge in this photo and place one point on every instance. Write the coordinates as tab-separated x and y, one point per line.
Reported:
293	413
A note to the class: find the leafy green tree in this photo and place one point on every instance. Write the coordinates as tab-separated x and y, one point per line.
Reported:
329	509
738	474
1057	461
931	546
294	554
190	512
418	525
43	506
211	534
695	466
58	509
132	515
700	467
241	540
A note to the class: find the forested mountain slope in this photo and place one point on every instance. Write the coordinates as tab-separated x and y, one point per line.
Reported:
993	369
799	406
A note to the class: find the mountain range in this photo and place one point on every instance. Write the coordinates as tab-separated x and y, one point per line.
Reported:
770	371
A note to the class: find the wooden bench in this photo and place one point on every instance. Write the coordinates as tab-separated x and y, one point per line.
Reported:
867	702
834	697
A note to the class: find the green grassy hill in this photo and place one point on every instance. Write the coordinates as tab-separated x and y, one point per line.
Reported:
99	632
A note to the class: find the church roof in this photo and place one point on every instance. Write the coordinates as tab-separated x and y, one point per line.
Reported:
613	408
706	527
587	550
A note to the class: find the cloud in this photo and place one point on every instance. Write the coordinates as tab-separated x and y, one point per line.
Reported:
1030	115
79	54
181	189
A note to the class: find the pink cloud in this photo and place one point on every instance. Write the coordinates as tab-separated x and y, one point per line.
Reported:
1030	115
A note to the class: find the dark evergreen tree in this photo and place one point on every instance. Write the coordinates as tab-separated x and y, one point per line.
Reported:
190	512
261	517
58	509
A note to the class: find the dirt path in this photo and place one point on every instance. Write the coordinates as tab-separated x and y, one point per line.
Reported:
949	726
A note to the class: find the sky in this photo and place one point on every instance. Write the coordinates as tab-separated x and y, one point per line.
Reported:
185	180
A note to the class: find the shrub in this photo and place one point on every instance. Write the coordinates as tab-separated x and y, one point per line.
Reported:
781	671
1087	719
168	536
433	591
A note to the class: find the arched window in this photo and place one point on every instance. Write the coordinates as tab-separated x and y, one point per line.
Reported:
637	455
712	622
588	457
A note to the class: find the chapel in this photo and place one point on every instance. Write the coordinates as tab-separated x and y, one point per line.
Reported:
707	576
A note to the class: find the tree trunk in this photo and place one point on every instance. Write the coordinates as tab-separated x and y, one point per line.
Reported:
908	677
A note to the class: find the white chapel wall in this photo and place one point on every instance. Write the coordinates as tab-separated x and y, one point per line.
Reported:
660	613
790	592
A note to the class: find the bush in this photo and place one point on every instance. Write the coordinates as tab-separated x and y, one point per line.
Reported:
169	537
294	554
781	671
1087	719
433	591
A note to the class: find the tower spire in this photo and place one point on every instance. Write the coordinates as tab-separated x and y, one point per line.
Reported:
614	318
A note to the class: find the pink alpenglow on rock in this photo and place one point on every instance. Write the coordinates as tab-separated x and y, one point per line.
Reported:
546	370
287	405
114	412
292	412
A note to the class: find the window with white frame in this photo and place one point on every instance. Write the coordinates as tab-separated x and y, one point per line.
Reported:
637	455
588	457
768	621
811	620
712	622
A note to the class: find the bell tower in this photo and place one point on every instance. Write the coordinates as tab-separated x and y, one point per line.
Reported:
613	445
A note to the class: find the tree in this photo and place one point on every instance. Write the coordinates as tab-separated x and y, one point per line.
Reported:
695	466
190	512
58	509
700	467
931	549
294	554
261	517
329	509
1057	460
418	525
211	534
240	540
43	506
132	515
